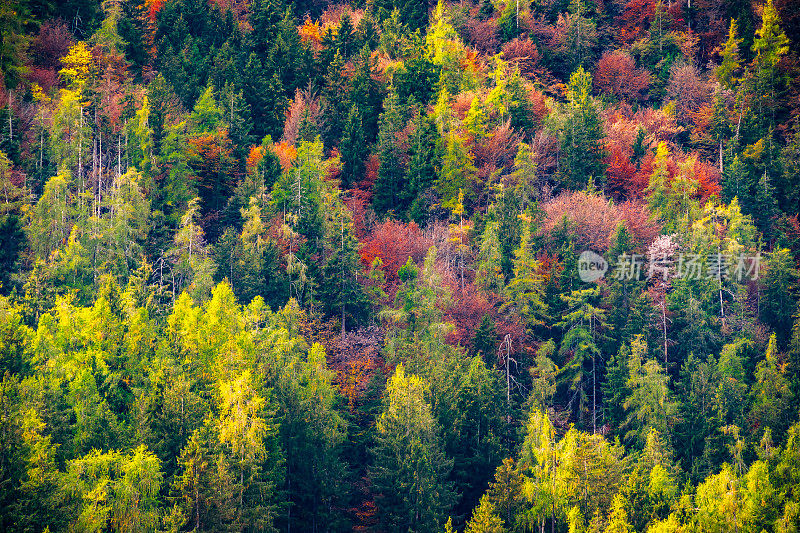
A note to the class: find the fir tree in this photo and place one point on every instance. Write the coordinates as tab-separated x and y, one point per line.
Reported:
391	173
581	135
410	469
353	149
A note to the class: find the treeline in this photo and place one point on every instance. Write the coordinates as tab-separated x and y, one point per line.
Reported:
271	266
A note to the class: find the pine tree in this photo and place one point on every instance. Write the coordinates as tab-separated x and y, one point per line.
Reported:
615	388
525	183
771	396
489	272
544	376
777	302
340	290
658	188
540	462
484	519
159	94
206	115
423	167
585	323
506	492
246	429
236	114
193	268
618	519
484	342
769	46
367	93
525	289
457	171
335	103
264	93
650	405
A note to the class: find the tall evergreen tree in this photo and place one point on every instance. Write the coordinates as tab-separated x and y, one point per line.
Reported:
581	135
410	469
388	188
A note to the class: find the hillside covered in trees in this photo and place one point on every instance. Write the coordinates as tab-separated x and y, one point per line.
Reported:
389	266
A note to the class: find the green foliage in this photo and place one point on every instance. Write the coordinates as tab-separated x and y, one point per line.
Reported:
410	470
184	308
353	149
391	173
581	133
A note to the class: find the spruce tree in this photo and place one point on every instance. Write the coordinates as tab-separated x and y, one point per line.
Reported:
581	135
410	469
387	191
353	149
423	167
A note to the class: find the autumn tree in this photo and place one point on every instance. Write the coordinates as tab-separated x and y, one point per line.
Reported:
410	468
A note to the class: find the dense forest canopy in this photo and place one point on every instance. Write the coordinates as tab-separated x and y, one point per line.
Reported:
478	266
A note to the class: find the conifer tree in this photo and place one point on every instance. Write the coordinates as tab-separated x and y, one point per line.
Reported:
423	167
391	173
335	105
650	405
525	289
484	519
727	70
457	171
489	273
770	392
353	149
581	135
410	469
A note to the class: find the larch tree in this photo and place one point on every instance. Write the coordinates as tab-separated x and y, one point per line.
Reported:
410	469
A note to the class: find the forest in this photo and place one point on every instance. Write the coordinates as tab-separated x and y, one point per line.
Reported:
475	266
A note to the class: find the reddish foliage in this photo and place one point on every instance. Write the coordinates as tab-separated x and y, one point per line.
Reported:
370	175
545	146
539	103
482	35
394	242
634	20
238	7
44	78
461	104
594	219
153	7
286	153
617	74
355	358
499	148
305	103
688	89
524	53
51	44
254	157
623	179
357	201
468	309
708	177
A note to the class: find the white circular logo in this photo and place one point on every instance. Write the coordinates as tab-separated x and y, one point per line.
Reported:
591	266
